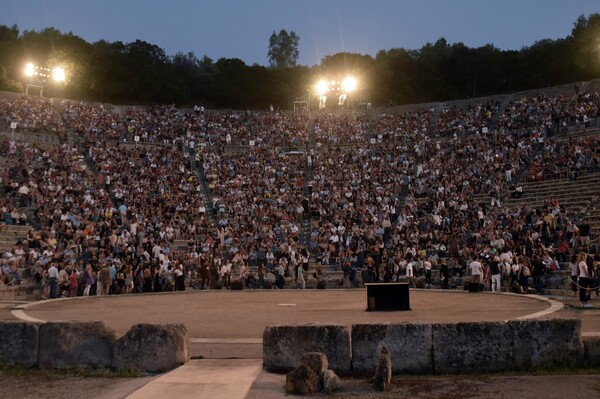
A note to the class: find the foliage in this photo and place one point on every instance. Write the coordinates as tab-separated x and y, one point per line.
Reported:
141	72
283	49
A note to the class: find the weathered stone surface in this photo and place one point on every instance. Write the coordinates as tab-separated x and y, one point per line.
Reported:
331	382
283	345
592	352
546	343
455	281
554	282
152	348
317	361
65	345
19	343
383	373
409	344
471	347
302	380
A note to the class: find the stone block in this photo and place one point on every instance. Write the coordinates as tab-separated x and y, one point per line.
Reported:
592	352
64	345
471	347
409	344
283	346
19	343
152	348
546	343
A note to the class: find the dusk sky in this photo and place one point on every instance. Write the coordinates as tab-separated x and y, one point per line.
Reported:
241	28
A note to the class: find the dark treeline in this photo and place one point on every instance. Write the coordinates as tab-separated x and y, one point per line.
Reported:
140	72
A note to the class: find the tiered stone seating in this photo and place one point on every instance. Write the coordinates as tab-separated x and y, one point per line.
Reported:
575	196
10	234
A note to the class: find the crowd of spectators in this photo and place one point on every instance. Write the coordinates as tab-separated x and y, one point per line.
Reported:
383	195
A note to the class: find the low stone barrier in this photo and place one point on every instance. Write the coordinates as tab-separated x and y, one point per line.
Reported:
436	348
546	343
19	343
152	348
470	347
409	346
64	345
592	351
283	346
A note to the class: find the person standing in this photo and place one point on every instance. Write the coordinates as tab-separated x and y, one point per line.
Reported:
63	280
585	278
410	273
584	235
300	279
444	274
506	270
523	274
243	274
52	280
73	277
88	279
476	271
495	272
538	273
179	278
104	280
427	267
574	273
225	272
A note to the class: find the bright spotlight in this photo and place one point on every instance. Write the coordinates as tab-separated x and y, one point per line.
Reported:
29	69
58	74
322	87
349	84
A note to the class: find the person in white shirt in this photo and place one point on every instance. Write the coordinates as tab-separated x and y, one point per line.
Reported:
585	278
476	271
409	272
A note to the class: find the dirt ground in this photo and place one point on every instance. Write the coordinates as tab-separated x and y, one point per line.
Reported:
270	386
235	315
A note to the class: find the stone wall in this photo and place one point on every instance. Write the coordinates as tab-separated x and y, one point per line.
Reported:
399	339
438	348
283	346
19	343
65	345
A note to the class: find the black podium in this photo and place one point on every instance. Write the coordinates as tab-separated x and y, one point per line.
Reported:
387	296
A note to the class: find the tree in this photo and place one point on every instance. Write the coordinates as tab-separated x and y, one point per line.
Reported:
283	49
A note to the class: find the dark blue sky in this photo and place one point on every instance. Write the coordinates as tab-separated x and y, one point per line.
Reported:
241	28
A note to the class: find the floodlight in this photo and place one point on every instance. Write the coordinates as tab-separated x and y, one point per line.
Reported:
322	87
29	69
349	84
58	74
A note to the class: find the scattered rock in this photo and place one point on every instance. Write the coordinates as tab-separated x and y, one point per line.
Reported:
317	361
331	382
383	374
302	380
